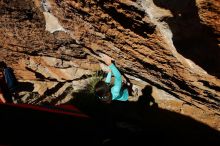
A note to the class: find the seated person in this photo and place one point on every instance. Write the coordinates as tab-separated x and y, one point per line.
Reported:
5	93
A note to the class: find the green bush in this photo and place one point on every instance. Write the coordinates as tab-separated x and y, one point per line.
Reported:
85	98
98	76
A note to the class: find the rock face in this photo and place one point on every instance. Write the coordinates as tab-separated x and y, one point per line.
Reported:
173	46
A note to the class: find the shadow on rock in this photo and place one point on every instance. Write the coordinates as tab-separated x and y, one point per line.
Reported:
142	122
191	38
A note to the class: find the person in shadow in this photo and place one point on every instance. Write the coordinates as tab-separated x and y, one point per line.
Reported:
6	93
146	100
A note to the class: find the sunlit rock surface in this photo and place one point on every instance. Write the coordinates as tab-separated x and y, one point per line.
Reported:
170	45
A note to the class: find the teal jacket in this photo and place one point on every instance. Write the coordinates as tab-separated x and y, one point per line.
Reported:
117	93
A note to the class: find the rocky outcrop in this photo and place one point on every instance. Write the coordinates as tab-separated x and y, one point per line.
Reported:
172	46
194	31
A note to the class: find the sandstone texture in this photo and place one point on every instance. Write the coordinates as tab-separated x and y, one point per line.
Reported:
173	46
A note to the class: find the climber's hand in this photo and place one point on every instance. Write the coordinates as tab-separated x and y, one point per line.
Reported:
106	59
104	67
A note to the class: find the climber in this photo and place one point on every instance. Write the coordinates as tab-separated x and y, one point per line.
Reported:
103	89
